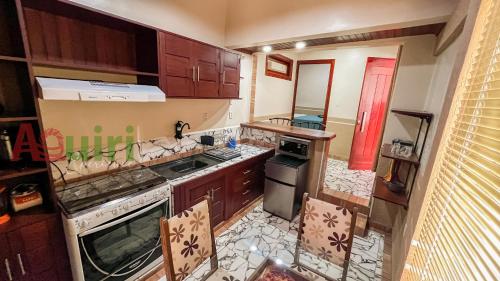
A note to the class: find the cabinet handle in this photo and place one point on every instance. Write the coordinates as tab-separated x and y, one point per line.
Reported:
246	182
198	73
246	192
21	265
224	77
247	171
246	202
7	268
194	74
363	120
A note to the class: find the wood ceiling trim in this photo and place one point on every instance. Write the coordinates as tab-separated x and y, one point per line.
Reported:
434	29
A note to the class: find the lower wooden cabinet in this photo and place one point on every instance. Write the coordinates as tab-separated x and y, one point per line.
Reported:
231	188
35	252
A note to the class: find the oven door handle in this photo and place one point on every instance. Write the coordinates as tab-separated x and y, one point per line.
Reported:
104	226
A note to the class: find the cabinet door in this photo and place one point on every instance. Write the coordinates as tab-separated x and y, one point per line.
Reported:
207	70
32	252
195	191
230	84
177	70
4	257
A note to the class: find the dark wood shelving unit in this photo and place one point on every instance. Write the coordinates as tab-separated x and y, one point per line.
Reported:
19	105
382	190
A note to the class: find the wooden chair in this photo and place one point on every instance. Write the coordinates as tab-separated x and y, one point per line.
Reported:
326	231
187	241
280	121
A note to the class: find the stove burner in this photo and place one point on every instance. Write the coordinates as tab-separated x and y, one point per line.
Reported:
86	194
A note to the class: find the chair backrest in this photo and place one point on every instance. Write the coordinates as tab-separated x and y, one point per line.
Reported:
187	241
326	230
280	120
309	125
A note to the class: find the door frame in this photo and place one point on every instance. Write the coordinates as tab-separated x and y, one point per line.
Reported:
389	98
331	62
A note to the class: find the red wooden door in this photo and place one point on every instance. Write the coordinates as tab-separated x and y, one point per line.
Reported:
371	111
230	85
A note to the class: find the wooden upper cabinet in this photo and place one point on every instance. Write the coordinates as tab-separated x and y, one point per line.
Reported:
177	71
191	69
206	60
230	84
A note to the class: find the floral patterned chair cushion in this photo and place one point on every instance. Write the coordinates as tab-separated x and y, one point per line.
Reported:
326	230
190	239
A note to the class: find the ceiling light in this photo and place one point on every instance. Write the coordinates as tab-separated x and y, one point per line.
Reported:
267	49
300	45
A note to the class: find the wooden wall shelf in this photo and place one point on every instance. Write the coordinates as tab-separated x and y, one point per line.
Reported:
386	152
97	68
16	173
381	191
414	113
17	119
10	58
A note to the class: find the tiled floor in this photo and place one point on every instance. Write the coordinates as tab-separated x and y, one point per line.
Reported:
245	244
354	182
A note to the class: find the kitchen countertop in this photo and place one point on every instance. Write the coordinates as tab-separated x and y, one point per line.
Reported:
247	151
299	132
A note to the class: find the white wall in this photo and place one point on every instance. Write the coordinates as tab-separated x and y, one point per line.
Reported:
411	90
273	96
312	85
197	19
260	21
350	64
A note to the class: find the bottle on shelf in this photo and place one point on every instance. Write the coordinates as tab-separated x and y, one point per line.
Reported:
5	146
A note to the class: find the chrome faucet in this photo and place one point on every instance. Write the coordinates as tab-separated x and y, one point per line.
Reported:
179	126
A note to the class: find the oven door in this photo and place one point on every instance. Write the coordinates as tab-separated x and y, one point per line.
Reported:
122	247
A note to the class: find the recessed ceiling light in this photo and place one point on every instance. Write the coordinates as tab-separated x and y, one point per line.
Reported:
267	49
300	45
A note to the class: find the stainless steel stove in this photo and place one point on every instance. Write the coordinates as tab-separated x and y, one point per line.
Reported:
91	194
112	224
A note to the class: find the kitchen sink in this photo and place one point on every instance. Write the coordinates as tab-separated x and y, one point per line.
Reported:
185	166
189	166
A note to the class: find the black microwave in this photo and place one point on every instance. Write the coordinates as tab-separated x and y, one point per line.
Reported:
299	148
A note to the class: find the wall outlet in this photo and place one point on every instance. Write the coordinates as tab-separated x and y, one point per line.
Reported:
230	115
205	116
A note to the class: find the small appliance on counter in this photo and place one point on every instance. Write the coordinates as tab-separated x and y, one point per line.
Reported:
24	196
4	204
286	177
223	153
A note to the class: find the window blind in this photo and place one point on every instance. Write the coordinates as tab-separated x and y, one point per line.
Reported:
457	234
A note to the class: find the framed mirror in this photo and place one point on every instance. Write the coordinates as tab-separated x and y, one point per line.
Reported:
313	84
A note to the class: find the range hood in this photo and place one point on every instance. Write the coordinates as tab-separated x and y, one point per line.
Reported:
65	89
